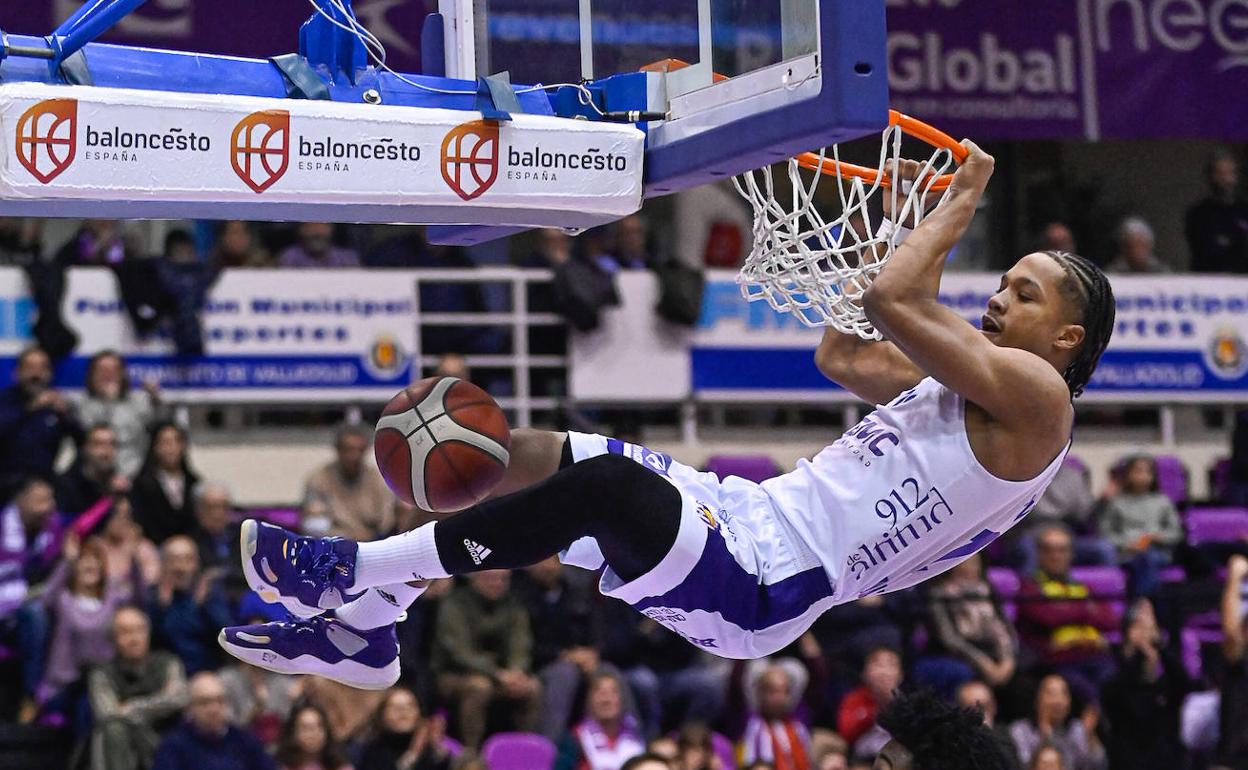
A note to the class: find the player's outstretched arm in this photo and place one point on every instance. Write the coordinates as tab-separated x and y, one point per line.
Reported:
873	370
1012	385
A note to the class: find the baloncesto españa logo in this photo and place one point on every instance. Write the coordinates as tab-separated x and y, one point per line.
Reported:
470	158
260	148
47	135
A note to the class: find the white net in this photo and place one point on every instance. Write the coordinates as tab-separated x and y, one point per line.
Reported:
818	266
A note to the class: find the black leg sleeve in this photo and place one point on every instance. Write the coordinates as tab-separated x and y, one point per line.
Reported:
632	512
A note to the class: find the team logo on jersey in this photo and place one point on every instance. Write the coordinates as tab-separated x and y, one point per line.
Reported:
707	516
260	148
470	158
47	135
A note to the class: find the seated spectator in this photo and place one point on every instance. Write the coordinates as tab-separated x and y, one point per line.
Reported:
35	420
1048	757
216	537
695	749
1232	750
647	762
347	497
833	758
93	475
1051	722
1146	695
131	413
608	736
482	654
976	694
99	242
399	246
237	246
402	739
672	680
1058	620
1057	236
315	248
971	637
1216	233
164	490
1135	249
350	711
30	542
134	697
187	606
1141	522
207	740
80	602
774	733
847	632
631	250
260	701
881	676
125	547
567	633
308	743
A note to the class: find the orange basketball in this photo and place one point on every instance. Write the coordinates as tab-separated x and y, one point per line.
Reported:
442	444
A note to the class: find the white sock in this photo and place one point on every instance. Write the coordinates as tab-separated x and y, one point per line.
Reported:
379	606
399	559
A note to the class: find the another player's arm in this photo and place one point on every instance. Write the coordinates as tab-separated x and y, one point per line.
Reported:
1014	386
873	370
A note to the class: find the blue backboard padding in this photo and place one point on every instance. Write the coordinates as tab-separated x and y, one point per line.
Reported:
853	102
117	66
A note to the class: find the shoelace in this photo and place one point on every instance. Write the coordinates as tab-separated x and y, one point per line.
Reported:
319	563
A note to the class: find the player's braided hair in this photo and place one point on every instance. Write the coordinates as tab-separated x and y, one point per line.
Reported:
940	736
1089	290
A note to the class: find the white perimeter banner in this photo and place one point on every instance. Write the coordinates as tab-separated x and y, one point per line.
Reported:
109	144
1176	338
275	335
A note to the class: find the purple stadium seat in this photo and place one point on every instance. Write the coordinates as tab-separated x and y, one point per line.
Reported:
1220	479
1172	478
1106	583
287	518
750	467
1005	584
518	751
1216	525
724	749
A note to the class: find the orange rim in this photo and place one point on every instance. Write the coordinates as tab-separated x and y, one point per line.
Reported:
912	126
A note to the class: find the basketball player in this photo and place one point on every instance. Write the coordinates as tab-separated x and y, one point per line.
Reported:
972	426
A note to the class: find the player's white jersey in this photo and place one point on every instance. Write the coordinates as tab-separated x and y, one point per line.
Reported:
897	499
901	497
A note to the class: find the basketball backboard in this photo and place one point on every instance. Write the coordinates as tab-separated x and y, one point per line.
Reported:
744	83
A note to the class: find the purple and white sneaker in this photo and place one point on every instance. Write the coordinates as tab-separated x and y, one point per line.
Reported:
367	659
307	575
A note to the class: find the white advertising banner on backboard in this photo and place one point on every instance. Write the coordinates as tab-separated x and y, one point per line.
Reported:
86	143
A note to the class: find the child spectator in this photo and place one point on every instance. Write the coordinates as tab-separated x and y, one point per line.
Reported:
695	749
881	676
80	601
1141	522
125	547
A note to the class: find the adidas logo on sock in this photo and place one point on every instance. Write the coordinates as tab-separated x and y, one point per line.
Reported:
478	552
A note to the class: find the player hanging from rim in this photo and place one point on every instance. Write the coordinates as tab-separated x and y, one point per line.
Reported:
972	426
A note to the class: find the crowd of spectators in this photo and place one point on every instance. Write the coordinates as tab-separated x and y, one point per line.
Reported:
119	564
117	573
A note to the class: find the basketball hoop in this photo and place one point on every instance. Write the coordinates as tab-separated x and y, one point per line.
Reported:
818	267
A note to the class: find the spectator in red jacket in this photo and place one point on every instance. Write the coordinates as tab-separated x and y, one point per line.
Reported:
881	675
1058	620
